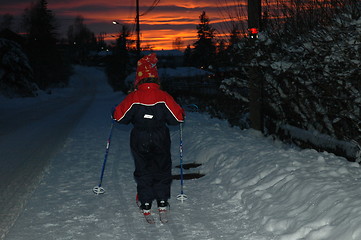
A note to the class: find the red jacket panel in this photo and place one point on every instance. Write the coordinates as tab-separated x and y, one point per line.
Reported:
149	106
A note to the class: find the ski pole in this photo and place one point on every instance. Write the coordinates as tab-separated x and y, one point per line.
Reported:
192	107
181	196
99	189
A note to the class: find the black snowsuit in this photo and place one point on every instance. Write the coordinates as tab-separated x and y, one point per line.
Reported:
150	109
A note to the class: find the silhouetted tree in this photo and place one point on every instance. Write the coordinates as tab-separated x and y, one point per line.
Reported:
177	43
235	36
204	48
101	41
6	21
39	24
221	55
187	56
81	39
119	65
47	62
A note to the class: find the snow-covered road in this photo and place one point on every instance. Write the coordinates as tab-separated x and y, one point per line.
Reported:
30	134
254	188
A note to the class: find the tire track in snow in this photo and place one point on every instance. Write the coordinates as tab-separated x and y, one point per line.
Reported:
64	206
120	184
33	147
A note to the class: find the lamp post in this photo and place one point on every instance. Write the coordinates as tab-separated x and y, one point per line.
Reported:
137	26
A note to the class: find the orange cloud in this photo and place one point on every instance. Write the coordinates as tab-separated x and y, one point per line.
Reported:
168	20
164	38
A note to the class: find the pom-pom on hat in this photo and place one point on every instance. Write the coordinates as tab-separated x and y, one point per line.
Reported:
146	68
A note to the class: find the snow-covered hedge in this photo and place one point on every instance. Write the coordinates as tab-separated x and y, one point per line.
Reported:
311	81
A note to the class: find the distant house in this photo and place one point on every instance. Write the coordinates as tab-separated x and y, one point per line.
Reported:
167	58
10	35
182	79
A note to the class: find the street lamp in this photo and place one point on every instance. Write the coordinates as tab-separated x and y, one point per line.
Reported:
137	27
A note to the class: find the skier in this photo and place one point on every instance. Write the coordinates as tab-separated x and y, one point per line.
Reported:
150	109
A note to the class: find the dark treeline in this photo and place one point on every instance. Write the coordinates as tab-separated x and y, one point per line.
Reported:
37	59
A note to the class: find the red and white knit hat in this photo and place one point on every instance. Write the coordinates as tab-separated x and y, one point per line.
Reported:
146	68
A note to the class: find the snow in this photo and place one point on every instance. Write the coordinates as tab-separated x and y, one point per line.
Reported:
254	188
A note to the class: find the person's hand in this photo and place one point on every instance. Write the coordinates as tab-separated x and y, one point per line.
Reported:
112	111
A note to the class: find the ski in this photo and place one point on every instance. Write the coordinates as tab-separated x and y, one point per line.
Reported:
163	210
148	217
146	213
163	215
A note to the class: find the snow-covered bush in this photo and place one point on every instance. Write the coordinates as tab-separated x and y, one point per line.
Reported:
310	81
16	75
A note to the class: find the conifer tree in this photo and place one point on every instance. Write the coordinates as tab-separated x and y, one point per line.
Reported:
204	48
119	63
47	63
81	39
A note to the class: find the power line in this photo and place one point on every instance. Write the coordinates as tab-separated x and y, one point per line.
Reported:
155	3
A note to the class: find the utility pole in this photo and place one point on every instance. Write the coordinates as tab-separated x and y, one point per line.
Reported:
137	26
254	17
256	81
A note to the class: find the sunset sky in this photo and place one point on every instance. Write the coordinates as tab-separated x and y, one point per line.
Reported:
168	20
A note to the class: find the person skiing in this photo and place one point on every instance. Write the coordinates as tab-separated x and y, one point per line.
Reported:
150	110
